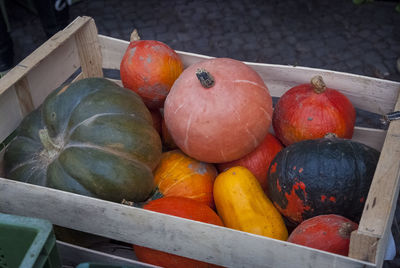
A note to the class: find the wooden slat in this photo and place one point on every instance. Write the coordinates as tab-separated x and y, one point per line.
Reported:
370	94
41	53
10	113
370	136
184	237
24	96
380	205
73	255
53	70
89	50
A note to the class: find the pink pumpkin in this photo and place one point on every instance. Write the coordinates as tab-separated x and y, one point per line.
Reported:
218	110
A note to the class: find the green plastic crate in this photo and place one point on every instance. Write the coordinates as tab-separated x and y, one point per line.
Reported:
27	242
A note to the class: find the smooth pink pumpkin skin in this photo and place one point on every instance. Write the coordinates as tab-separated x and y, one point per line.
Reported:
221	123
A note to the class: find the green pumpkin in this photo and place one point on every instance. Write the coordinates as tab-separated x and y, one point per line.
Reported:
92	138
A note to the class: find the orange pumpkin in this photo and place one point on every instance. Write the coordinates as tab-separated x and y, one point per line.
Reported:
310	111
180	207
218	110
180	175
149	68
258	161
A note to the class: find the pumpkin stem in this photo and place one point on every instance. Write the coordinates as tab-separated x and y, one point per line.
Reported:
135	36
47	142
318	84
205	78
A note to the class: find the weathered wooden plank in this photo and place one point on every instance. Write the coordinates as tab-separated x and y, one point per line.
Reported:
10	113
40	54
380	205
370	136
73	255
53	70
24	96
89	50
370	94
214	244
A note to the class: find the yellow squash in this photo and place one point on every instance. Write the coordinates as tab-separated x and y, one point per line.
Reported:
242	204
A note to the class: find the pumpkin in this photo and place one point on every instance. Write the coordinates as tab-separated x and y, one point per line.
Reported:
310	111
258	160
180	207
180	175
149	68
218	110
242	204
325	232
91	137
322	176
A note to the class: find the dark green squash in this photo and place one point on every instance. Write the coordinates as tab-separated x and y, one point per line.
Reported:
92	138
322	176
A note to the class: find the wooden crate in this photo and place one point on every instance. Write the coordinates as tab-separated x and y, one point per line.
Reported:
79	48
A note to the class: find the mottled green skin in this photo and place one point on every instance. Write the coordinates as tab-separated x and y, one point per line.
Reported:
107	146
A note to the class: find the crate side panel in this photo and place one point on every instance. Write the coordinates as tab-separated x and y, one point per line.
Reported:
381	202
10	113
112	50
370	94
54	70
184	237
370	136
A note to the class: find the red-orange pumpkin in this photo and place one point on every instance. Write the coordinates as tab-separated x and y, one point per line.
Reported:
149	68
180	207
325	232
257	161
218	110
310	111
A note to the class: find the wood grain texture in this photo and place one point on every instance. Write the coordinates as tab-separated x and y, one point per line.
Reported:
367	93
380	205
41	53
89	50
197	240
24	96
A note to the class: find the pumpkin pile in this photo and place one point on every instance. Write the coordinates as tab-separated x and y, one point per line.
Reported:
196	143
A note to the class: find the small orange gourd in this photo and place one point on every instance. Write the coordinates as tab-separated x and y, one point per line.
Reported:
242	204
180	175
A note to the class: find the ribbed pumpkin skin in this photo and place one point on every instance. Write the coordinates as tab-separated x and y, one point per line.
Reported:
302	114
106	145
180	207
325	232
257	161
322	176
180	175
150	68
221	123
242	205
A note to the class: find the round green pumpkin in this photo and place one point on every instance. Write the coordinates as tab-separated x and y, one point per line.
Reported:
92	138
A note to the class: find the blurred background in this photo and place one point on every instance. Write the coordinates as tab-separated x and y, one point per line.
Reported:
354	36
336	35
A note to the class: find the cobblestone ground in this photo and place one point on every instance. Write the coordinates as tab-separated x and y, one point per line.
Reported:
335	35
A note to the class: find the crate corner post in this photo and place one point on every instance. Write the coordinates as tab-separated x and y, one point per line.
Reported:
89	50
